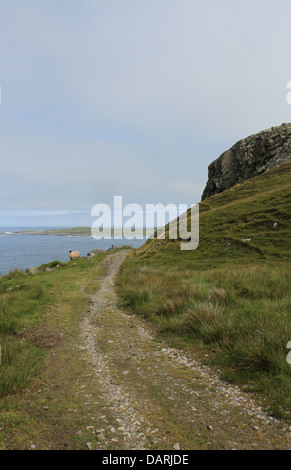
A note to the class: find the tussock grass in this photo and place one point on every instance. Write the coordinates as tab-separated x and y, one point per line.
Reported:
20	361
242	314
204	318
21	302
234	297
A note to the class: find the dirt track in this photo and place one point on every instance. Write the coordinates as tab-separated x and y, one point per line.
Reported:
158	397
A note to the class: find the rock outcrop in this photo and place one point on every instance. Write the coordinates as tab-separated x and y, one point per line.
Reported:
93	253
248	158
32	270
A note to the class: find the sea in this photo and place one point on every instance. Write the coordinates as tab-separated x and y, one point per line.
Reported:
23	251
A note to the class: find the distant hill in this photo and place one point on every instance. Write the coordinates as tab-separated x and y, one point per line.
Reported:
76	231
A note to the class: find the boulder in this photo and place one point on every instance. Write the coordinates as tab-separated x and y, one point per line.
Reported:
94	252
249	157
32	270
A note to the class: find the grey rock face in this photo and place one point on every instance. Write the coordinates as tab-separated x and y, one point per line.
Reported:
94	253
248	158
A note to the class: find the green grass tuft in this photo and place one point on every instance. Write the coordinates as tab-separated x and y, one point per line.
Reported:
230	295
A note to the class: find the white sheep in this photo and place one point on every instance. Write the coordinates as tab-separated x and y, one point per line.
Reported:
74	255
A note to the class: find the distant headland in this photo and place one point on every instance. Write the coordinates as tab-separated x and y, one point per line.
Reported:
62	232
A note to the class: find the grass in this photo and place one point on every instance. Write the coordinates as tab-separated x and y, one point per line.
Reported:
41	369
24	301
21	305
230	296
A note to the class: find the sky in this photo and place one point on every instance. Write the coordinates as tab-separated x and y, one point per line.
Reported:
130	97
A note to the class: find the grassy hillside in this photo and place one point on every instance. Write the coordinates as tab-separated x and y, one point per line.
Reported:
230	296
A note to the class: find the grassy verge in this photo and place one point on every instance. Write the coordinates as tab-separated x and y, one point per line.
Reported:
42	398
230	296
21	305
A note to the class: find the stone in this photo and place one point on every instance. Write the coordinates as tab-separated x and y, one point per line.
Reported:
248	158
32	270
176	446
93	253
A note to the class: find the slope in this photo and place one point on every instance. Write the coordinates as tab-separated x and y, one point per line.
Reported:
232	294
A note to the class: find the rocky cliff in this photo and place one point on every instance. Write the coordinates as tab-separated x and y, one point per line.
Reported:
248	158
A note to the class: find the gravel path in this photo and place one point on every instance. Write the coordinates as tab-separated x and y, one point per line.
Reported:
159	397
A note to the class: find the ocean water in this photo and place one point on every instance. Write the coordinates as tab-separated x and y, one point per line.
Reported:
24	251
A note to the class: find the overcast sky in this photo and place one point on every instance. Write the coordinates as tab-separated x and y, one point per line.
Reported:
132	97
